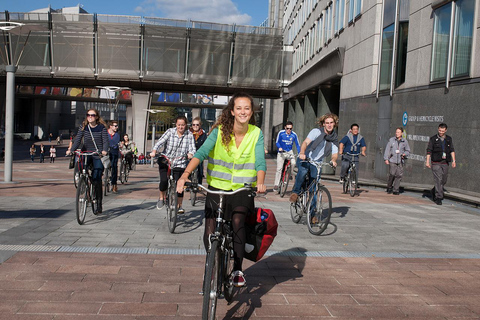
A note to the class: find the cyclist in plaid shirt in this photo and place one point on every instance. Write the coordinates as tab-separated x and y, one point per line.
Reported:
179	146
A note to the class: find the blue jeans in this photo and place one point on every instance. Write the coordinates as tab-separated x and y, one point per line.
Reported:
97	169
303	167
114	164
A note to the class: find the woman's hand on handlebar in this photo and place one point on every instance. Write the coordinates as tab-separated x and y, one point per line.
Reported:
261	188
153	153
181	183
104	153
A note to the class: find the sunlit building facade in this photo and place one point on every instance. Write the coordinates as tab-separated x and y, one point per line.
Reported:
387	64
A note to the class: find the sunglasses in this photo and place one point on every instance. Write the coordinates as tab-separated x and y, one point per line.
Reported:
91	115
114	125
289	128
195	125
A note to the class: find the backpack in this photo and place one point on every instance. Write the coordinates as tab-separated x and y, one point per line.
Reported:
261	229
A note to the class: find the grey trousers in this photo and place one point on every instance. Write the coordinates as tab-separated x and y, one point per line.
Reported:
395	176
440	173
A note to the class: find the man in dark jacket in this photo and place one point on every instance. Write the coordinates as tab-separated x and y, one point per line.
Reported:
440	153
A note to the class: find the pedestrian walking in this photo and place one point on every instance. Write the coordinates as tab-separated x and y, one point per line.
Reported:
396	152
440	153
53	154
33	151
42	153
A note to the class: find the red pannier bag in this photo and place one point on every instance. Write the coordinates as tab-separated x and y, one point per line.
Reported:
261	229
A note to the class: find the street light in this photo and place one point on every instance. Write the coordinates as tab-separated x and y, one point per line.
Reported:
17	29
153	128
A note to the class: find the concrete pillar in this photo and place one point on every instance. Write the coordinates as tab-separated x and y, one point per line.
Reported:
137	119
196	112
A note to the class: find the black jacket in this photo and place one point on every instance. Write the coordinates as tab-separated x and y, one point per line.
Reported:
436	148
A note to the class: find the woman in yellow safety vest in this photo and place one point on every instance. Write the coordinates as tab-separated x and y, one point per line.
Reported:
235	153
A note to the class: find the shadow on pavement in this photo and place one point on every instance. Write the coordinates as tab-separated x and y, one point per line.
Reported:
285	266
340	212
189	221
42	214
115	212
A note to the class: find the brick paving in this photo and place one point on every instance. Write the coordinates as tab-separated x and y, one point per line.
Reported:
38	211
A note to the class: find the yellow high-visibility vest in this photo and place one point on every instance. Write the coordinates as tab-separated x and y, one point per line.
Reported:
230	170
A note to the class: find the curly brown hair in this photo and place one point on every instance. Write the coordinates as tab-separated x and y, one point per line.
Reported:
98	117
322	119
226	120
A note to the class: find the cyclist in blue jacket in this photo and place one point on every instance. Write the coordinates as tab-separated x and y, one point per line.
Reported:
285	140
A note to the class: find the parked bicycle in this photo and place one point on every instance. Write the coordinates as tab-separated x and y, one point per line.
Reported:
217	282
285	177
313	201
350	183
85	191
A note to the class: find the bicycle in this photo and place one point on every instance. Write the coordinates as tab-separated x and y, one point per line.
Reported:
350	182
171	199
107	182
85	194
124	170
194	190
219	262
315	202
285	177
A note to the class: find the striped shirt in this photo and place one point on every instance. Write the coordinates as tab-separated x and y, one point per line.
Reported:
100	135
176	146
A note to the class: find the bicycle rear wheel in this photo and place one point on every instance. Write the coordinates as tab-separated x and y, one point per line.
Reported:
352	183
172	207
127	173
81	200
319	211
282	188
211	282
296	211
193	191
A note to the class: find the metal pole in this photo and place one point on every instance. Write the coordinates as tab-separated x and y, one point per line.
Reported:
153	141
9	114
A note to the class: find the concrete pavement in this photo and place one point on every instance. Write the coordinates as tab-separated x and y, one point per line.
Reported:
383	257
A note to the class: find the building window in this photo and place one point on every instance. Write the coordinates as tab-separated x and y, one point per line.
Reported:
339	15
401	54
387	55
461	43
354	9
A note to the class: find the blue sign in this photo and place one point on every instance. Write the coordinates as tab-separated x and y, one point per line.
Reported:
405	118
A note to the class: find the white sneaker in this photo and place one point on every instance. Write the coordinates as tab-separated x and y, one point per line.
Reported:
160	204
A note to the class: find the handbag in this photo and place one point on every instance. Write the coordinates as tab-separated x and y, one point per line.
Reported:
261	230
105	159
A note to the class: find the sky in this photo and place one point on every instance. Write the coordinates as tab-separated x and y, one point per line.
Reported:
242	12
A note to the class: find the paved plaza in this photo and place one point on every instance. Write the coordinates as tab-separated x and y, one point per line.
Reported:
383	256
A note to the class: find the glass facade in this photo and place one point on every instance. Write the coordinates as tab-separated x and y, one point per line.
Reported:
463	38
441	39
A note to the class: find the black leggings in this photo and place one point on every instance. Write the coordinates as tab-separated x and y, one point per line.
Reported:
239	236
177	173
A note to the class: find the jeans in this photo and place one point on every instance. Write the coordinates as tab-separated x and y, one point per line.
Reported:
114	164
346	164
303	167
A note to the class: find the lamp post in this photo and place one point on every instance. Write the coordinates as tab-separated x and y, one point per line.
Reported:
17	29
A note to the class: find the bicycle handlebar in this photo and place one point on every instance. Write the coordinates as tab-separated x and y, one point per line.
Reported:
221	192
85	153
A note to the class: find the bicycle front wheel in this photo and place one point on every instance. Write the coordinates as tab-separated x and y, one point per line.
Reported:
319	211
172	207
127	173
211	282
81	200
285	179
122	172
296	210
346	183
227	272
106	181
352	183
193	192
